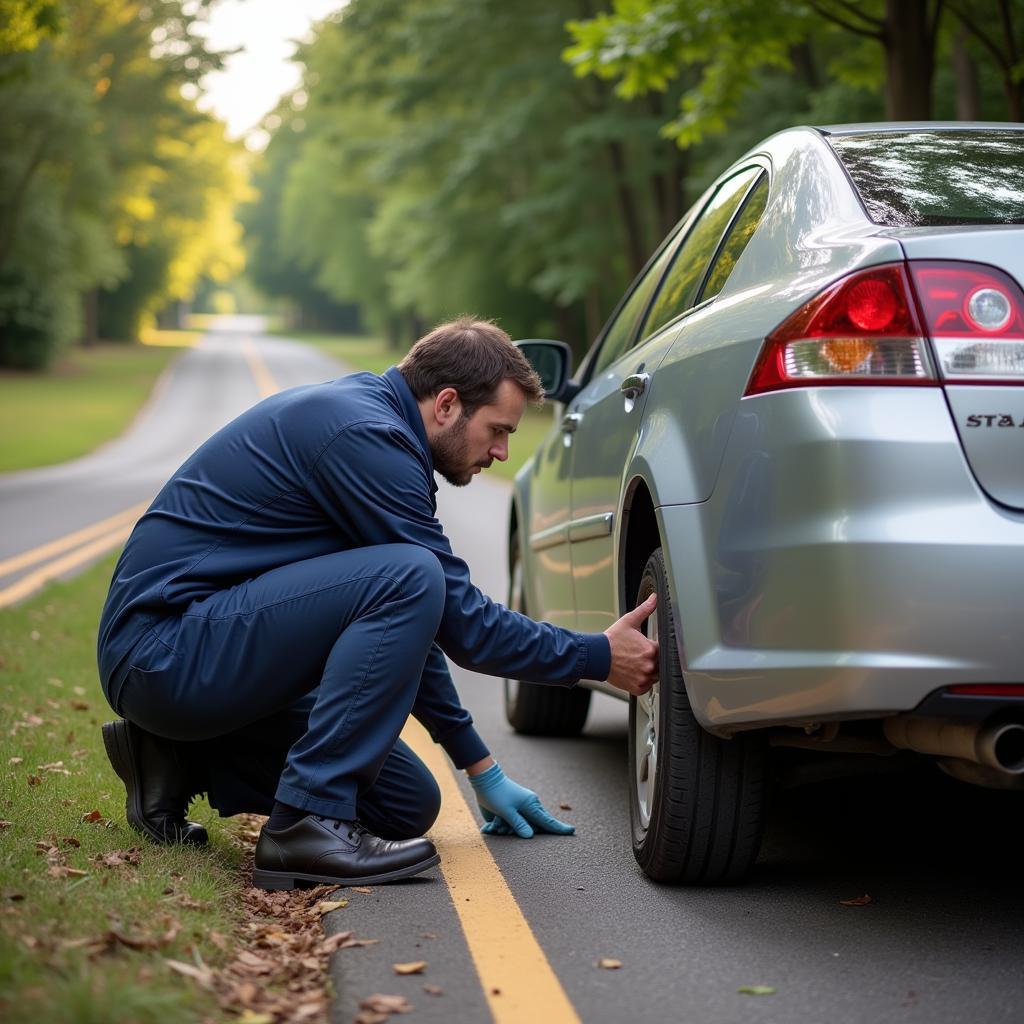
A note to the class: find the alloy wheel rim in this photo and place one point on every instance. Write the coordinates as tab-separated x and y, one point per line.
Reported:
645	746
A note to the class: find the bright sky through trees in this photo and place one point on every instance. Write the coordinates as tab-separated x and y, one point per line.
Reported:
253	80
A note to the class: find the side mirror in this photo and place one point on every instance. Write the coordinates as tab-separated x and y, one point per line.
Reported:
553	362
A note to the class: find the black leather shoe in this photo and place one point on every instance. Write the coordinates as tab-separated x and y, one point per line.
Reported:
325	851
158	790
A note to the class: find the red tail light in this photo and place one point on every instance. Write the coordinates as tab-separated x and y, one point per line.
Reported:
862	330
975	317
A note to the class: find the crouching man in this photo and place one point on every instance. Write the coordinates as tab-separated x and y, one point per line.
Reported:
288	600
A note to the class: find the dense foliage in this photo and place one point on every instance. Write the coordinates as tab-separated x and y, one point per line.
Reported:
520	161
116	193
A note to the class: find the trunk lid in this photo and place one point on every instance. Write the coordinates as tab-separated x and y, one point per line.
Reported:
986	392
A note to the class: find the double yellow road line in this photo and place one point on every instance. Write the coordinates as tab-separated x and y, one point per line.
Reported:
66	553
74	550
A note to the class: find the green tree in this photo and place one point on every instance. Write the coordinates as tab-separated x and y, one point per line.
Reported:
111	182
484	178
24	24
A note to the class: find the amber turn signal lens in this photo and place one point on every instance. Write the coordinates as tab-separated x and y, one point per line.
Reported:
845	355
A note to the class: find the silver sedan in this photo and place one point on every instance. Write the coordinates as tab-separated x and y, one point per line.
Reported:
803	427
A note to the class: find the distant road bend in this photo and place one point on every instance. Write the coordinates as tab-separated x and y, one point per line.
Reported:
59	519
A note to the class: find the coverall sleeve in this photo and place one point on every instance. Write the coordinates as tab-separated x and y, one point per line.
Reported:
441	712
374	480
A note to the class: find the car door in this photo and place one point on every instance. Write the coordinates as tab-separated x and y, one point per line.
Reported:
605	418
550	588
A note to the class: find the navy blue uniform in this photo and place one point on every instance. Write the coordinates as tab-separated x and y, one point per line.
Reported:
290	592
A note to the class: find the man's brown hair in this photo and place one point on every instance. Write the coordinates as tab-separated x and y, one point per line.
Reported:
474	357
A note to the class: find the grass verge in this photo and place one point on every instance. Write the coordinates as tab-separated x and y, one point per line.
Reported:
89	397
368	353
90	912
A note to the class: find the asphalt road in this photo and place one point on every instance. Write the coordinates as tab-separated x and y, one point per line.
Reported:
941	940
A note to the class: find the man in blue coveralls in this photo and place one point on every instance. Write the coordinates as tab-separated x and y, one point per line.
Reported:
287	602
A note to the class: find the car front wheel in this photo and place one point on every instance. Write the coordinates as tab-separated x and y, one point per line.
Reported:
697	802
533	709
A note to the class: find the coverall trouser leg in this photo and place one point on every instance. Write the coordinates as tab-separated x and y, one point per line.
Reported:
353	626
242	770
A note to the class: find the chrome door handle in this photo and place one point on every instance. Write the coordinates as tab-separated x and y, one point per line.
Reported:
570	421
633	387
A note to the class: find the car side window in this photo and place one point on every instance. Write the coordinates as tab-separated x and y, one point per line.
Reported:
679	290
620	332
736	241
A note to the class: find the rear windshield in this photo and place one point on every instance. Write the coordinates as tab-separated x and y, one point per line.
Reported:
923	178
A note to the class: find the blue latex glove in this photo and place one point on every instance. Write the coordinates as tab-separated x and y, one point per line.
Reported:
508	807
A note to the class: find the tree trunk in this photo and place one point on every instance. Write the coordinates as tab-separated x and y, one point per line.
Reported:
566	319
909	40
90	317
1012	89
965	74
636	248
806	69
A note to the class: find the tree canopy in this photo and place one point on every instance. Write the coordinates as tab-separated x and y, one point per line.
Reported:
521	161
116	192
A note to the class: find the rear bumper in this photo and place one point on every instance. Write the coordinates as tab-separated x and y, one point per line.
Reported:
846	565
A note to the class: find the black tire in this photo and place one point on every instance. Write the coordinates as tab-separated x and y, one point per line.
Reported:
533	709
700	822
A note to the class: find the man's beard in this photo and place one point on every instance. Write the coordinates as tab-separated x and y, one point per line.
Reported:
449	454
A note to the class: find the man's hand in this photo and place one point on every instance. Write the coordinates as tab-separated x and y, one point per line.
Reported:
508	807
634	657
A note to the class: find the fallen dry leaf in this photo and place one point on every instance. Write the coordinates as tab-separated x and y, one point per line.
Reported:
252	963
563	806
92	816
609	964
251	1017
5	824
119	858
15	760
203	976
63	871
333	942
365	889
386	1004
328	905
79	705
189	903
371	1017
35	780
140	942
857	901
433	990
415	967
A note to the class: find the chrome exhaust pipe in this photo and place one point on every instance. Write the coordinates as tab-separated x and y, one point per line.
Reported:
1000	747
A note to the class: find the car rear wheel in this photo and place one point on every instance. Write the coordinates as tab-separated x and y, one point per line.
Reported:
696	802
532	709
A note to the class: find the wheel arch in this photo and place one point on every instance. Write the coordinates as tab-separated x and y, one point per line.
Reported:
639	536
